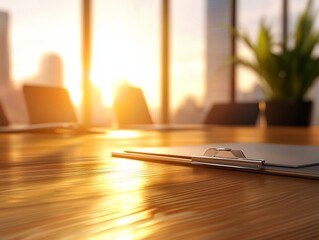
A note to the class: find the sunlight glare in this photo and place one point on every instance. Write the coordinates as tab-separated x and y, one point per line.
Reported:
123	134
122	56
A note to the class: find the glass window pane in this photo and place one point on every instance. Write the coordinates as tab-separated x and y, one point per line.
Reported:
126	49
188	41
43	48
249	15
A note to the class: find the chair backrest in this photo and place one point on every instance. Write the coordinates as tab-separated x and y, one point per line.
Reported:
233	114
48	105
130	107
3	118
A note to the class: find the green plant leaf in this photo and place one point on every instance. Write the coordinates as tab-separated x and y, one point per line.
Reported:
286	72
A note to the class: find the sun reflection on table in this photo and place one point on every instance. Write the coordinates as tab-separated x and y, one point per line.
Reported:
125	201
123	134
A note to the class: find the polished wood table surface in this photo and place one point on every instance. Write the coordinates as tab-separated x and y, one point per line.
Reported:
60	186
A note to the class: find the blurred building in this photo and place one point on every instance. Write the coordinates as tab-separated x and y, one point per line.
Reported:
4	50
218	52
189	112
50	71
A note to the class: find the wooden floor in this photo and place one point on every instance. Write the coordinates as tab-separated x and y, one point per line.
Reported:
56	186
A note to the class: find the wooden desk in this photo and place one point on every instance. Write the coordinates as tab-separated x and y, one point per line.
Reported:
68	187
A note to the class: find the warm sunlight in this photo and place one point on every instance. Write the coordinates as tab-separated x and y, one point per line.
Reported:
71	79
123	134
126	48
124	193
122	54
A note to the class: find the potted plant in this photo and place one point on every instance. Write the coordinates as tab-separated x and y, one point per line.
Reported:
287	70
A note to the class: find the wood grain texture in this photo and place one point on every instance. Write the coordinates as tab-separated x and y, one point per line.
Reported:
68	187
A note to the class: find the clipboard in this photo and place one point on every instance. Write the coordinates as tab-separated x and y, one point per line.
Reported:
279	159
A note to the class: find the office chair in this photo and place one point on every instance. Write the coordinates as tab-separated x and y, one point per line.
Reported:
130	107
233	114
49	105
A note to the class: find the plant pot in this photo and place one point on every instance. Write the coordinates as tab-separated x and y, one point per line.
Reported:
288	113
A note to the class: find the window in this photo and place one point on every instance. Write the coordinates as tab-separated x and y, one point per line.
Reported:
42	39
249	15
126	50
188	41
41	42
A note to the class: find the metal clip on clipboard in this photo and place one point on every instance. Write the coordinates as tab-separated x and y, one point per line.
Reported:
226	157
